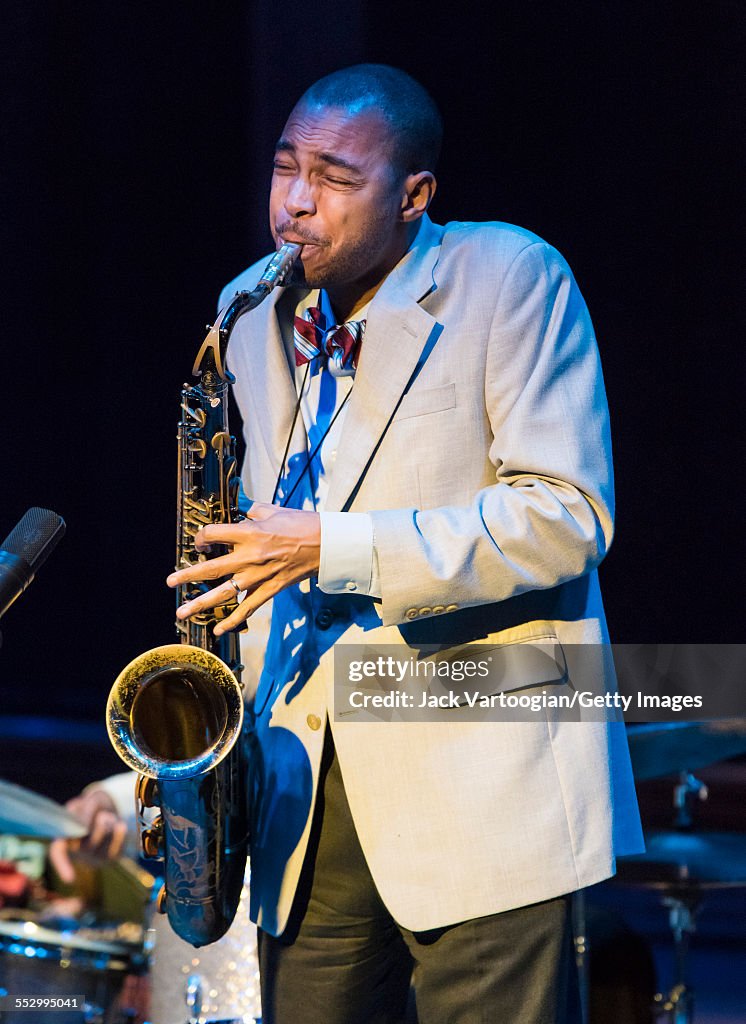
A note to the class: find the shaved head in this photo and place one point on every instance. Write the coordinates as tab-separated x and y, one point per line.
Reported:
407	109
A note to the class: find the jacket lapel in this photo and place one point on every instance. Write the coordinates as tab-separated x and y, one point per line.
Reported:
395	342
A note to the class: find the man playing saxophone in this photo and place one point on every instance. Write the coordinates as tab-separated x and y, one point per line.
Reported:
428	457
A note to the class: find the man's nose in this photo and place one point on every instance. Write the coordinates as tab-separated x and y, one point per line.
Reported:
300	200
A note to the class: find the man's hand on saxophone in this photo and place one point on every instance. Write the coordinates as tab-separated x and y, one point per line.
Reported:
270	550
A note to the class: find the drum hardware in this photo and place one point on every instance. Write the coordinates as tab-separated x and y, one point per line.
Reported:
682	902
682	866
678	1003
685	793
194	998
681	863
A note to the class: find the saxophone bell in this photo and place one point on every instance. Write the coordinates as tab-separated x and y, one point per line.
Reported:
175	716
174	712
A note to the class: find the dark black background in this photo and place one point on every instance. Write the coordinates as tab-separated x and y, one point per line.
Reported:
137	146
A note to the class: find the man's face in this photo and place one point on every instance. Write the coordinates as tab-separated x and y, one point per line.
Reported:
334	190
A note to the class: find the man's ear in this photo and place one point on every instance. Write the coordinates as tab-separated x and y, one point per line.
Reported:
418	193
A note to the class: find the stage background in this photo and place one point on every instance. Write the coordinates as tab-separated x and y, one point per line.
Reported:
137	150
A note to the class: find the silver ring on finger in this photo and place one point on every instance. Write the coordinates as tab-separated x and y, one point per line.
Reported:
235	586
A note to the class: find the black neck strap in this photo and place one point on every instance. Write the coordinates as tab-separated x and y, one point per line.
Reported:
317	446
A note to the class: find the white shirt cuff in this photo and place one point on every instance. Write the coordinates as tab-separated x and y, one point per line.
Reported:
347	564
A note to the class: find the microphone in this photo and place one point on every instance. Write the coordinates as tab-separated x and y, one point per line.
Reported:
25	550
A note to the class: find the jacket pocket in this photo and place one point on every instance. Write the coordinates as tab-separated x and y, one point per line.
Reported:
420	403
500	668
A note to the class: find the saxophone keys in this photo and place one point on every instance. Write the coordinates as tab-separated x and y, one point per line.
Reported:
151	839
198	415
221	441
145	791
198	447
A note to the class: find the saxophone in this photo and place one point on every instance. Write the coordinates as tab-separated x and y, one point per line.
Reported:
175	713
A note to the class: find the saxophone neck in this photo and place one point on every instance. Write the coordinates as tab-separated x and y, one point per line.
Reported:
211	356
210	361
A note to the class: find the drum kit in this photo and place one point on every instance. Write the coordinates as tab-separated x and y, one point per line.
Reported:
43	955
52	957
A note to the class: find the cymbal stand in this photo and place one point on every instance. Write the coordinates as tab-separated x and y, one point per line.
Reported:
688	790
678	1003
683	904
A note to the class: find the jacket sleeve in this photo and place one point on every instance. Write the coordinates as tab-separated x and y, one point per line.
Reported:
548	517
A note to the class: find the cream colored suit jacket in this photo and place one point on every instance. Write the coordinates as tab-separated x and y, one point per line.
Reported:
477	436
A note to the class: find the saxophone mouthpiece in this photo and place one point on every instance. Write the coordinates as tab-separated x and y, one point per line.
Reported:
279	266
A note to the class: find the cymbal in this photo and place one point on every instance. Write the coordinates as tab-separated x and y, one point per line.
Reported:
85	940
25	813
659	749
696	859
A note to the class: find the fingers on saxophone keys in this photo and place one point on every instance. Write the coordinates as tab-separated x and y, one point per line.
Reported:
254	599
212	569
220	533
235	620
212	599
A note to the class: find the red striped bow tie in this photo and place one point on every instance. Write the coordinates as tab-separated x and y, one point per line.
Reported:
340	342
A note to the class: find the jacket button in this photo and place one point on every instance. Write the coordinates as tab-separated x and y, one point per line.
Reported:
325	618
451	607
314	722
411	613
438	609
426	611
